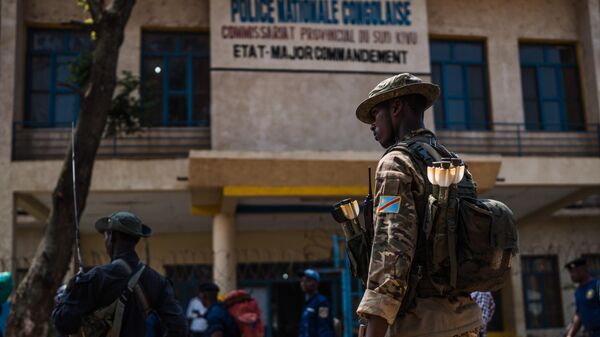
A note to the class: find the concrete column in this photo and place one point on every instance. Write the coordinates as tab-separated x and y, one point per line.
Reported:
505	79
589	37
518	305
224	254
10	29
10	26
7	221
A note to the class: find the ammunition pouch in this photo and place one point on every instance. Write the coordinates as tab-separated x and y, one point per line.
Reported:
359	254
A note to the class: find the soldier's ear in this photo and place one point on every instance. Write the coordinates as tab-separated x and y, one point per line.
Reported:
396	106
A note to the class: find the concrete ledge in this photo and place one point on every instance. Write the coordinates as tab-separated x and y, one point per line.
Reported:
109	175
550	171
318	171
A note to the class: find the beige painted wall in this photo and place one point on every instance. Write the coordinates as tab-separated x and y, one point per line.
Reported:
589	30
263	111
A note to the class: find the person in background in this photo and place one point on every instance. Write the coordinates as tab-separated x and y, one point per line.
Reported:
196	312
587	299
6	287
485	301
316	320
219	321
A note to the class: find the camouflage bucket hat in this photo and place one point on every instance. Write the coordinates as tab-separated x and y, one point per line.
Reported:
124	222
396	86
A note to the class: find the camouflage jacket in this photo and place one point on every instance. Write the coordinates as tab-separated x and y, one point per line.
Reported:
400	190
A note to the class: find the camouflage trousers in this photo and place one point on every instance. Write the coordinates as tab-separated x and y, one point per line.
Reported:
470	333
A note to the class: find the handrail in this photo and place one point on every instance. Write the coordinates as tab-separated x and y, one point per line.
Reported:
521	139
34	141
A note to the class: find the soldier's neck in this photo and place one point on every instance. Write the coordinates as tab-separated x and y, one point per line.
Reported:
586	279
120	250
407	126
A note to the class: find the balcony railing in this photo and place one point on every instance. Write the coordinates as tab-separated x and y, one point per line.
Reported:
35	142
511	139
514	139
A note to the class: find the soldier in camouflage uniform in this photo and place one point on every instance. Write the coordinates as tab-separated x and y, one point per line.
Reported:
395	111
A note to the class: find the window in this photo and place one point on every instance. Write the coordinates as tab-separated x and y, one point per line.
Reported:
50	101
459	67
551	88
176	78
541	292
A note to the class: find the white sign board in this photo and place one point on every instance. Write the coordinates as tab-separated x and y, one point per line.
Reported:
320	35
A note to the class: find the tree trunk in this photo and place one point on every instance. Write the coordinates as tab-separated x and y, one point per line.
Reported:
33	304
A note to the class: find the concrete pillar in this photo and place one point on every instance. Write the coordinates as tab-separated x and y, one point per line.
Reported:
518	305
224	253
505	79
589	37
10	27
10	30
7	228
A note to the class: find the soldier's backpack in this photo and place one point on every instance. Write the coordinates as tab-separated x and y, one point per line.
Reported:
107	321
245	312
464	245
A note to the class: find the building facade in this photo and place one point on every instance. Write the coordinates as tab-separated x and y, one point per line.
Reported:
250	134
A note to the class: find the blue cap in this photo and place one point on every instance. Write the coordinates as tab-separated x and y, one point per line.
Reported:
6	286
313	274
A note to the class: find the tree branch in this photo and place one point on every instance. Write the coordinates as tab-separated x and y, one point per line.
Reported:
80	25
96	9
117	6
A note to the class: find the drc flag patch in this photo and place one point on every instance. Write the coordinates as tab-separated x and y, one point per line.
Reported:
389	204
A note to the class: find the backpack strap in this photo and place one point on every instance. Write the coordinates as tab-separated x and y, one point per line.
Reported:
115	330
137	289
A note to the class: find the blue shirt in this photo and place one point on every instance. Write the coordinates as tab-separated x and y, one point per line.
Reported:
587	301
316	320
3	317
218	319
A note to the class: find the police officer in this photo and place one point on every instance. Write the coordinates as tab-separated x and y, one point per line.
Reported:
102	285
316	320
219	321
394	110
587	299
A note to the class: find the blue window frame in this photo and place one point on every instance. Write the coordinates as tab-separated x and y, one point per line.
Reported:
50	100
541	289
459	67
176	78
551	87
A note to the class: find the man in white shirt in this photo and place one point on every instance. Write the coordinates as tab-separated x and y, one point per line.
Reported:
195	314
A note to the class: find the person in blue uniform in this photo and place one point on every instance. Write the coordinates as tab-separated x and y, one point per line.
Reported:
587	299
316	320
103	284
219	321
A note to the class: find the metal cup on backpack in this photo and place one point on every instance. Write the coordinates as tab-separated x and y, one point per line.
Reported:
443	175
